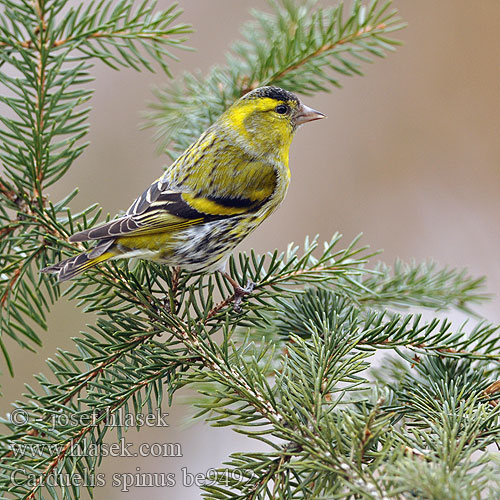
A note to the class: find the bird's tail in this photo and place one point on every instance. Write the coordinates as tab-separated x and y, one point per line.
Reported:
73	266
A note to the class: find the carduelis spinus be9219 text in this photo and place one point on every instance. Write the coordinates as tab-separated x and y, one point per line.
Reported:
216	193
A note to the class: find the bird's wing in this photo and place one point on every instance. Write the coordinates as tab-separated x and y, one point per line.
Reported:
158	210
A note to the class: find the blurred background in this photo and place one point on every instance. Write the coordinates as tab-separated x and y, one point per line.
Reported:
409	155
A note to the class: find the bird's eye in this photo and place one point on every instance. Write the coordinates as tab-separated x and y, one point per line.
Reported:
282	109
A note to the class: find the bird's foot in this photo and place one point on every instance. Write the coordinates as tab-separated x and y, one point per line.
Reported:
240	292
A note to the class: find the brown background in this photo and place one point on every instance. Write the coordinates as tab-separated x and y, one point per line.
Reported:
409	155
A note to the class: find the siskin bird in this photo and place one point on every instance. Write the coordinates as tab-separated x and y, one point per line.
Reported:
216	193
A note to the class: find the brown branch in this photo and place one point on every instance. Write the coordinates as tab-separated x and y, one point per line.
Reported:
273	469
79	435
228	300
19	201
247	85
92	374
492	389
89	376
424	346
40	100
31	433
300	272
10	228
175	279
16	276
326	48
97	370
28	44
64	41
10	285
9	193
450	350
269	282
114	34
54	463
263	406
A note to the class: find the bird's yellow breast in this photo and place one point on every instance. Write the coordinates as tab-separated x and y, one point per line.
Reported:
228	171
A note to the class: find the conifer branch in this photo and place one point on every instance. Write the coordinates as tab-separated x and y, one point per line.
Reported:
290	369
318	52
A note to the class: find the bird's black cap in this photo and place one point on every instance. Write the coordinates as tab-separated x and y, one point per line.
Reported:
273	93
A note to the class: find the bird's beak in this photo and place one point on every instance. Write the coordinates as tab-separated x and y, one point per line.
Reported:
307	114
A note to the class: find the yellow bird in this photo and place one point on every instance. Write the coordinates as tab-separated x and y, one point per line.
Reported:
216	193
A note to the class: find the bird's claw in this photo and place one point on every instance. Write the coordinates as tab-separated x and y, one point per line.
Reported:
239	293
